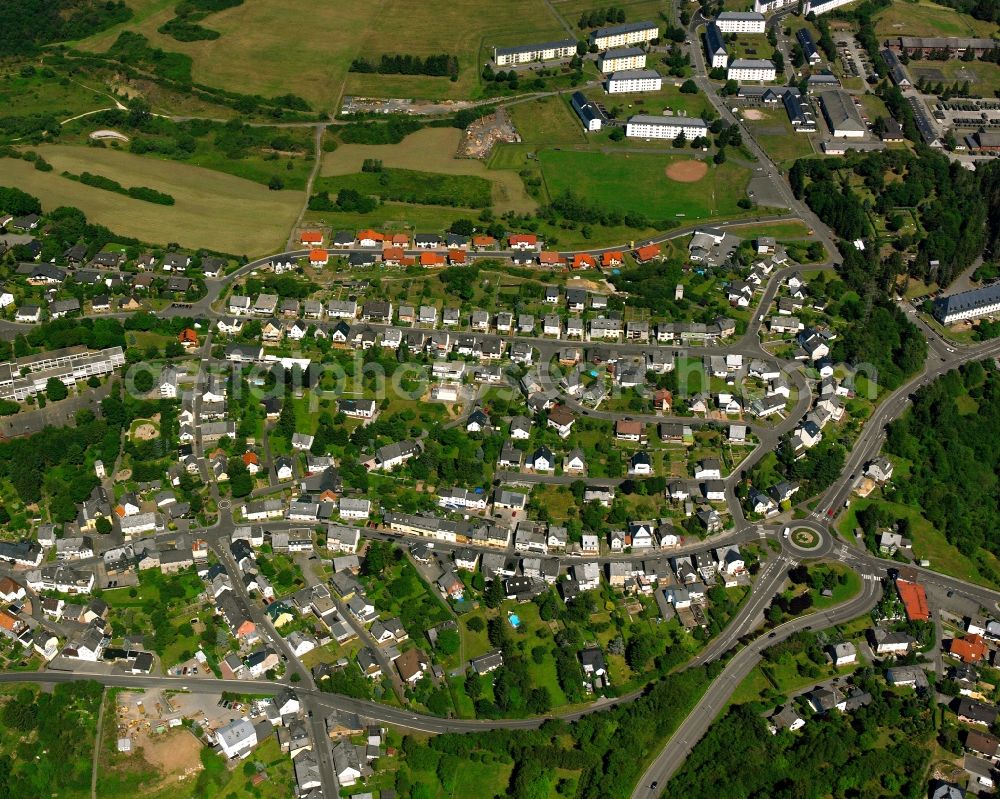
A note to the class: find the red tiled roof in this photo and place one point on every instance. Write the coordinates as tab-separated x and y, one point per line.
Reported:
400	238
251	458
549	257
187	335
311	237
456	256
431	259
393	254
374	235
318	256
647	252
582	259
483	241
523	238
611	258
970	649
914	600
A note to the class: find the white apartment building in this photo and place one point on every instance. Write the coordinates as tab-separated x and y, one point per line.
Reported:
715	47
647	126
27	376
751	69
765	6
635	80
526	53
740	22
822	6
622	59
624	35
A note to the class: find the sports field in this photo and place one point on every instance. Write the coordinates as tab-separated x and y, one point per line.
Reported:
638	183
432	150
213	210
923	18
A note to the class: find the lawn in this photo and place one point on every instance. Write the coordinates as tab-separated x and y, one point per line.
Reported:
842	591
637	184
928	542
546	121
775	134
622	106
923	18
412	186
780	230
433	150
984	77
212	210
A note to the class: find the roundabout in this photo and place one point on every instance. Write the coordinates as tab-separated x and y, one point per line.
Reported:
807	540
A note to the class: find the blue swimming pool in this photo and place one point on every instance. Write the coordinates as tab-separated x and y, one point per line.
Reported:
515	622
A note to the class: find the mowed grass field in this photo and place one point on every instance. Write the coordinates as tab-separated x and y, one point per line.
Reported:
777	136
269	47
548	120
924	18
468	29
638	183
212	210
432	150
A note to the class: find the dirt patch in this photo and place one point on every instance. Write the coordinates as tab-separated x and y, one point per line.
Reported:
687	171
145	432
753	114
173	752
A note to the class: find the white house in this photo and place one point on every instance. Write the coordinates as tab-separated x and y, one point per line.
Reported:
354	508
237	738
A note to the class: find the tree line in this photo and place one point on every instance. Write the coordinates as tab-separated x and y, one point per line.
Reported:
135	192
442	65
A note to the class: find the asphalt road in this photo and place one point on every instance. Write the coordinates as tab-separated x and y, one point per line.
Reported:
736	670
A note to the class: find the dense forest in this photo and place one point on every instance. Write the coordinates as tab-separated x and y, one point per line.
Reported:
951	203
61	723
609	748
881	750
27	24
950	438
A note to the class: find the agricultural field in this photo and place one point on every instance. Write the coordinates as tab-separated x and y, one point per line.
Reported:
638	183
432	150
213	210
924	18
